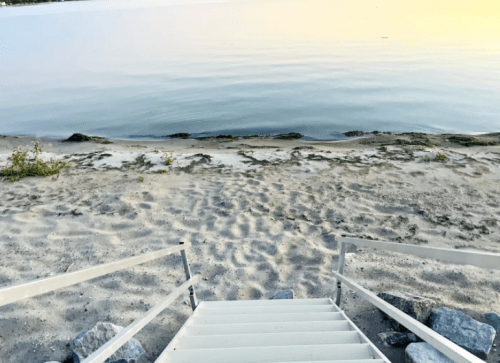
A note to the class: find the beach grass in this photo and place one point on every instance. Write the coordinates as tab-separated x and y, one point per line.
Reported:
22	168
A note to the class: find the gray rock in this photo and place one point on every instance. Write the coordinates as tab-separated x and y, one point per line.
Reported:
424	353
493	319
464	331
419	308
88	342
397	339
283	294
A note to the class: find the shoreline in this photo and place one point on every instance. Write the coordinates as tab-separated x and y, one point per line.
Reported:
367	138
261	215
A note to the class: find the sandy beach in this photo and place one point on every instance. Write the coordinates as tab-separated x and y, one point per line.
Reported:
261	215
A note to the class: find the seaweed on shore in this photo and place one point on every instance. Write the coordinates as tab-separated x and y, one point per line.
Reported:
303	148
252	160
289	136
246	146
219	137
402	142
179	135
354	133
204	159
470	141
256	137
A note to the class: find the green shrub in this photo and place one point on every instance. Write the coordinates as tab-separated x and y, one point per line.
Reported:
169	159
141	178
21	168
162	171
440	157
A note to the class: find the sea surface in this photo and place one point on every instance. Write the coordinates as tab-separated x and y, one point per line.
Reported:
144	69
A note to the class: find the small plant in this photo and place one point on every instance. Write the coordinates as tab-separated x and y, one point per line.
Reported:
427	159
431	146
169	159
440	157
141	178
21	169
162	171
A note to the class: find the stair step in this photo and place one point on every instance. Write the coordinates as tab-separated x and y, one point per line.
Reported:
270	354
277	302
258	328
266	340
270	309
264	318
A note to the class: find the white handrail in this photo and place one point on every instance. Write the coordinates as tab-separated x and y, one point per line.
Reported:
445	346
22	291
107	350
18	292
479	259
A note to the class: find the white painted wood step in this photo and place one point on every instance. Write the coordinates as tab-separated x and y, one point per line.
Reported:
270	309
270	331
266	340
201	319
270	354
277	302
262	328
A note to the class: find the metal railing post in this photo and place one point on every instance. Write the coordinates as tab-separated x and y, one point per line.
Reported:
340	271
192	294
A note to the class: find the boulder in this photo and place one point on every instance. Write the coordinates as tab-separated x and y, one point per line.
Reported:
464	331
419	308
79	138
89	341
493	319
283	294
424	353
397	339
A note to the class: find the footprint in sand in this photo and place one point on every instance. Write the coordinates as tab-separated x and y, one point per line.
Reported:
278	186
148	197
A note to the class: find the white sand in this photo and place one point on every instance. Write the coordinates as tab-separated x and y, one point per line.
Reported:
254	229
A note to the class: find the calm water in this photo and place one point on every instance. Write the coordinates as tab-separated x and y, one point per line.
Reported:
321	67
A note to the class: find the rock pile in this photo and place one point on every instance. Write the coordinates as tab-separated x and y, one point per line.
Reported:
419	308
89	341
464	331
397	339
493	319
424	352
283	294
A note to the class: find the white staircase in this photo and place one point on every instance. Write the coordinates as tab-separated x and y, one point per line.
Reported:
266	331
